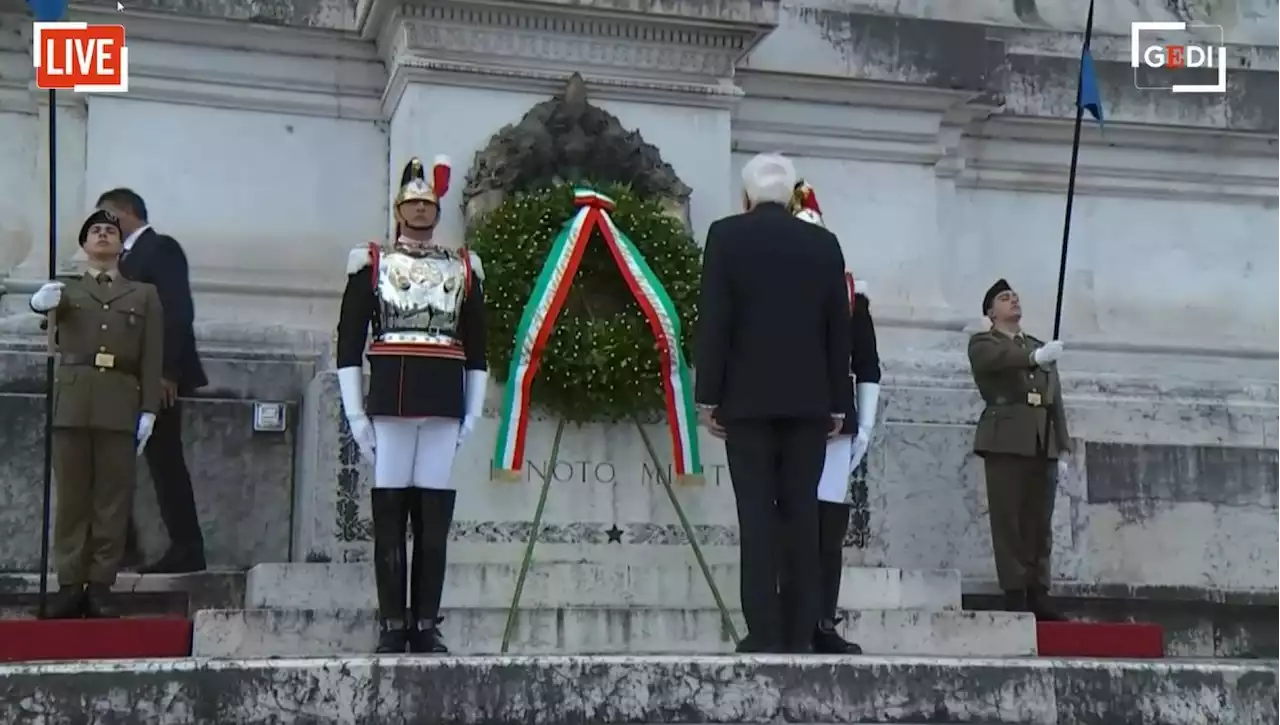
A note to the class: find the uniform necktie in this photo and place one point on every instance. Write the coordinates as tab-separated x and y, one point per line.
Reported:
104	278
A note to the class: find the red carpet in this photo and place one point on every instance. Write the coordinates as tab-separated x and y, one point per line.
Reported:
25	640
1100	639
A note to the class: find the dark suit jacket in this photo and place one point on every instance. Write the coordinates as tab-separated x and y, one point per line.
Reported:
158	260
773	319
1005	374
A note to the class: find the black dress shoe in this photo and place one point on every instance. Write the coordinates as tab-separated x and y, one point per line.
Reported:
827	641
425	638
393	638
176	562
66	603
98	604
751	644
1038	604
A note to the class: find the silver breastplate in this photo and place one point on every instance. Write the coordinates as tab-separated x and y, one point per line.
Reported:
420	296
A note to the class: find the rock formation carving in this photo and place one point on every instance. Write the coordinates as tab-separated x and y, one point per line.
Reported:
566	139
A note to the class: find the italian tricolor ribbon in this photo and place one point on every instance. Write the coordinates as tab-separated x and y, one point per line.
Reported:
538	320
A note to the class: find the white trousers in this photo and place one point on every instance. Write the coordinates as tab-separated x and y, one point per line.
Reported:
414	452
833	487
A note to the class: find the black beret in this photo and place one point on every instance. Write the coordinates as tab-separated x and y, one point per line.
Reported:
98	217
989	298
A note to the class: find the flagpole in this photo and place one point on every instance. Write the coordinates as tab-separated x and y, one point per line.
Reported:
1071	182
45	521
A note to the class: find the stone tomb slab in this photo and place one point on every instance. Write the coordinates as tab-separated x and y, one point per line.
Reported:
599	630
584	584
628	689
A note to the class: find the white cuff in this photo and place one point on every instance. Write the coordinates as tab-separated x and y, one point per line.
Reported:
351	383
868	405
476	386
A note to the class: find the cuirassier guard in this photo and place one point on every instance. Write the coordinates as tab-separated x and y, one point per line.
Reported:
847	450
421	298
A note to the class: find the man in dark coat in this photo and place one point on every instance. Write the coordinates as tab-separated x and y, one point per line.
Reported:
158	260
772	357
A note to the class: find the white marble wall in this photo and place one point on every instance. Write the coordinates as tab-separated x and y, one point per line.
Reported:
925	497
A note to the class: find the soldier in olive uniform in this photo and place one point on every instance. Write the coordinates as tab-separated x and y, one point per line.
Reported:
1021	434
106	392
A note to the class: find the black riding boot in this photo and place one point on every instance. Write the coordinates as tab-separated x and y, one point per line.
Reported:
431	515
390	512
833	524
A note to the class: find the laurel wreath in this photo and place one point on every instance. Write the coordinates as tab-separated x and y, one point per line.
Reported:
600	362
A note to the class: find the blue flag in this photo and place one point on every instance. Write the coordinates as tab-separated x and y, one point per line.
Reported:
48	11
1090	99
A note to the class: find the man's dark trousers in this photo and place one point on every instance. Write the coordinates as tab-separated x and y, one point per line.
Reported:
172	482
775	465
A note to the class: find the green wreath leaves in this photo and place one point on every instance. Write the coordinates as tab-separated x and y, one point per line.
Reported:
600	362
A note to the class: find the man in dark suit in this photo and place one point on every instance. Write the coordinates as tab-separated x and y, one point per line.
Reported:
1021	433
158	260
772	357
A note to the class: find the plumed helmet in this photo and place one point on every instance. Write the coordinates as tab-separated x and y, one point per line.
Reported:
804	204
414	185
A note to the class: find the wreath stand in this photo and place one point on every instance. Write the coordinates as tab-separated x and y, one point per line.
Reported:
538	319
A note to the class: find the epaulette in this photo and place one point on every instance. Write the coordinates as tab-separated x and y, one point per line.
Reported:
360	257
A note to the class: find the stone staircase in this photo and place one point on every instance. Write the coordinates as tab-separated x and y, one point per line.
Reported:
593	599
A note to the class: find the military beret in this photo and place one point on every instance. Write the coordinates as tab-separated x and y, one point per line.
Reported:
989	298
98	217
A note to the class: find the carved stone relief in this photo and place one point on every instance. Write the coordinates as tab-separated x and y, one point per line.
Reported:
566	139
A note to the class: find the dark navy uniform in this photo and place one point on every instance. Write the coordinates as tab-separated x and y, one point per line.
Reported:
421	299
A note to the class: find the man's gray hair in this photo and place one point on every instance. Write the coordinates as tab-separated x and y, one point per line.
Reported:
769	178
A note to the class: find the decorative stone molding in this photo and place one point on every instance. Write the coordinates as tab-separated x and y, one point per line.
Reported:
684	55
225	64
966	137
1030	154
849	119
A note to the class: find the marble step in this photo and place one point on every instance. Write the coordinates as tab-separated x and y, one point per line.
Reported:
599	630
584	584
613	690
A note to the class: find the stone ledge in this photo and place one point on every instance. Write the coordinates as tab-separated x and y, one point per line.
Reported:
648	582
607	690
631	630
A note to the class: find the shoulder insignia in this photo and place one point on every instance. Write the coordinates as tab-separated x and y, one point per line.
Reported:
360	257
476	267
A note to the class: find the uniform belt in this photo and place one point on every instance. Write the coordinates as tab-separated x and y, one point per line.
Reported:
102	361
1006	403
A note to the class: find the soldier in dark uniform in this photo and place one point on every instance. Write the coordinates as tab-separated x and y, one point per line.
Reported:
421	296
847	450
1021	434
109	334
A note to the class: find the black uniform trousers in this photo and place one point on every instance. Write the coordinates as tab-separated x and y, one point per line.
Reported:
172	483
775	465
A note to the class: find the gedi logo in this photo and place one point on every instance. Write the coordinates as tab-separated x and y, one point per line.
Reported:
1177	57
80	57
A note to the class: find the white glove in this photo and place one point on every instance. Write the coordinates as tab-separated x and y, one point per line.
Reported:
476	385
351	384
1048	353
868	406
48	297
1064	468
362	433
146	424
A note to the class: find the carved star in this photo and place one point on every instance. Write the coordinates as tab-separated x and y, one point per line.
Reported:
614	534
